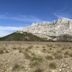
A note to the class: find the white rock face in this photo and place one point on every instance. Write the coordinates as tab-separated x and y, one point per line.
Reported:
54	28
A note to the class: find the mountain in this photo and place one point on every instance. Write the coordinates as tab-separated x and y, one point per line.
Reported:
64	38
57	30
17	36
51	30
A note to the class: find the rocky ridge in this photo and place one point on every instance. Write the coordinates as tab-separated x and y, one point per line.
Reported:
50	30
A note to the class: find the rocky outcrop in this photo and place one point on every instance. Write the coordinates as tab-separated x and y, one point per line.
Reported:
56	28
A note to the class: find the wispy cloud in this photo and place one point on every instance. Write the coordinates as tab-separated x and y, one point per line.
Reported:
62	13
58	15
24	18
9	28
5	30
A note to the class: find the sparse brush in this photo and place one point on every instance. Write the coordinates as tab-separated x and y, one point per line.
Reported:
14	48
36	61
27	56
30	47
49	45
59	51
49	57
63	48
44	50
58	56
16	67
68	53
37	46
43	46
70	48
1	51
52	65
50	48
38	70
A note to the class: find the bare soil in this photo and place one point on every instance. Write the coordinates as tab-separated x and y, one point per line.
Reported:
35	56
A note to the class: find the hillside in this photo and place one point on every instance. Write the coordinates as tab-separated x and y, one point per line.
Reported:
57	30
51	30
16	36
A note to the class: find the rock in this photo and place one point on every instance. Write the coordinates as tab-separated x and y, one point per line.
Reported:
50	30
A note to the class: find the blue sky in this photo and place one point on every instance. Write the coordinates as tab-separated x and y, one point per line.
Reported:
15	14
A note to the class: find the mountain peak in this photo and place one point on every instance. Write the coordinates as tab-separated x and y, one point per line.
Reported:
40	23
61	28
55	28
63	19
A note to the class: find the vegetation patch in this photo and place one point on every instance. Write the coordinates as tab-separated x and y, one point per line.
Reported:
52	65
38	70
48	57
35	61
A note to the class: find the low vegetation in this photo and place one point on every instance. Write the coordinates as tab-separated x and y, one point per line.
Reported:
52	65
35	56
21	37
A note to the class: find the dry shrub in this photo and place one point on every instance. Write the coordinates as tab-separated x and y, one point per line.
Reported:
38	70
48	57
52	65
58	56
35	61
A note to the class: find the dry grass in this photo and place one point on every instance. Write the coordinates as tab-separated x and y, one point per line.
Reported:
33	56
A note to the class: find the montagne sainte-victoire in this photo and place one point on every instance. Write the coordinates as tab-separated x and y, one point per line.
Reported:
57	30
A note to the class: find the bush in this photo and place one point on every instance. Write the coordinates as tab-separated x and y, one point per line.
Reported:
49	57
52	65
67	53
58	56
1	51
38	70
16	67
36	61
